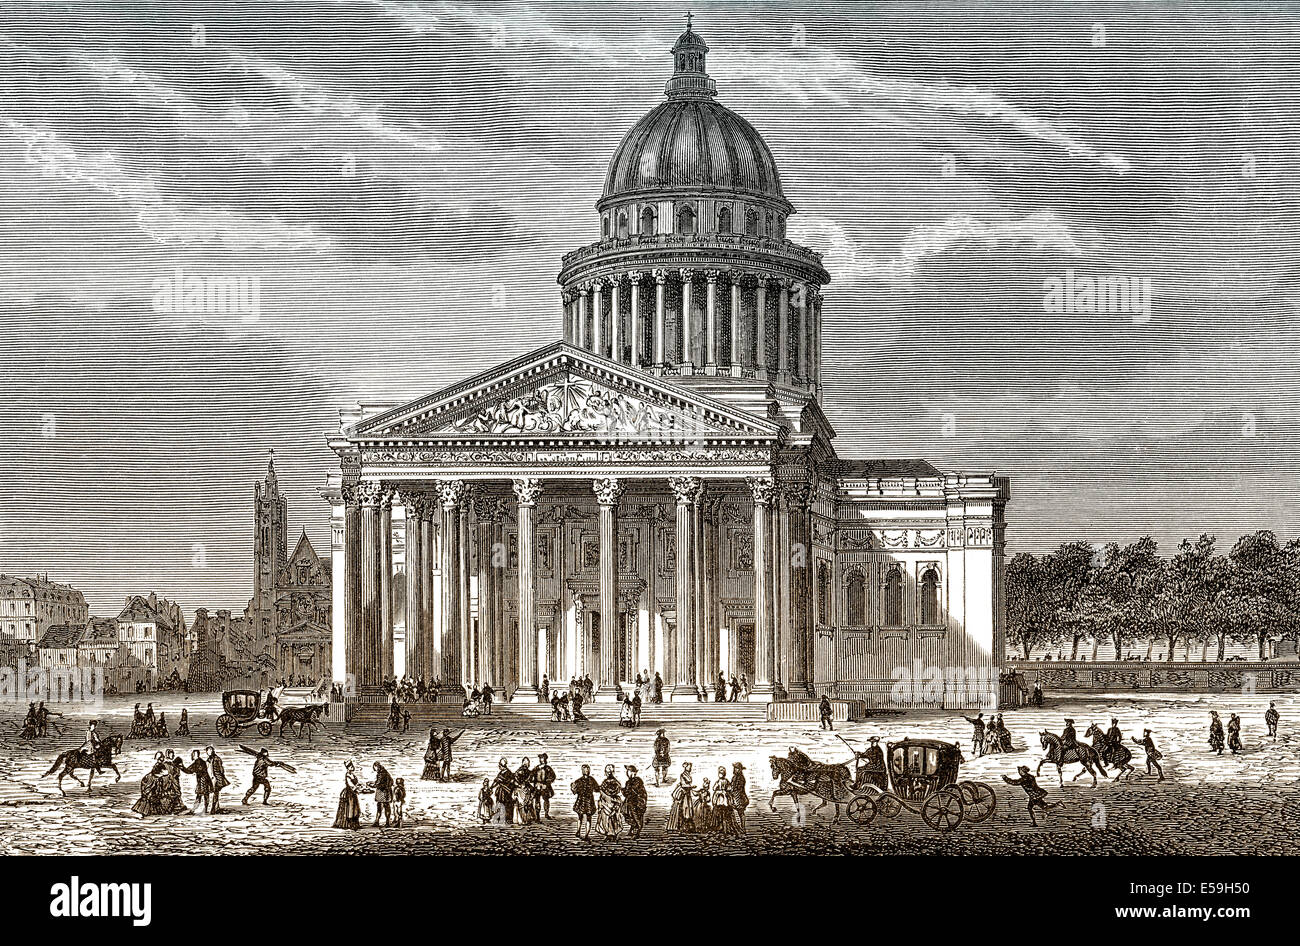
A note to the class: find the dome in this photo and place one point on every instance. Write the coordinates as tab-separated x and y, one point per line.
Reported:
690	142
693	143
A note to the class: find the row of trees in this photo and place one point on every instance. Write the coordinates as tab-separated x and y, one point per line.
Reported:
1127	593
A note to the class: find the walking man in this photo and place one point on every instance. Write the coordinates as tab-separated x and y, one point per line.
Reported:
584	804
262	763
977	739
1033	792
444	752
202	782
217	771
1271	717
661	759
543	781
1153	754
635	801
827	714
739	799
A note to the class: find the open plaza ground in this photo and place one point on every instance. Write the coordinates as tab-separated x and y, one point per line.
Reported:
1210	804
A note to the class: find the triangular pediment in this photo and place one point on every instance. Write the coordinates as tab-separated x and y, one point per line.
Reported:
560	392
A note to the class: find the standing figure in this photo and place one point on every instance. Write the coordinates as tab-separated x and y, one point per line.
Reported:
1271	718
826	713
584	802
1033	792
733	694
399	801
636	710
137	724
681	814
1154	755
486	806
608	820
217	770
704	820
183	728
720	689
525	794
739	799
724	814
202	782
659	688
635	802
977	737
444	752
382	787
1216	733
1234	733
349	812
261	771
503	792
544	785
488	693
661	759
432	758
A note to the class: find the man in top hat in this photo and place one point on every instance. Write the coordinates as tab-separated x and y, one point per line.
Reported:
635	801
1271	718
584	804
543	780
826	713
737	795
1154	755
1033	791
873	764
661	759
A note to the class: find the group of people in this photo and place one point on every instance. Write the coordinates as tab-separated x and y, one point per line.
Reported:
160	789
144	725
36	723
478	700
730	691
989	736
410	689
717	808
567	707
389	794
1234	732
438	755
518	796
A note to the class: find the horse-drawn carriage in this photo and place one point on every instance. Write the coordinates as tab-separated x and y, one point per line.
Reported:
920	775
243	710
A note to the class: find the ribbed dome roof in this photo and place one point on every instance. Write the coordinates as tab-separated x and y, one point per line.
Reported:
690	141
693	143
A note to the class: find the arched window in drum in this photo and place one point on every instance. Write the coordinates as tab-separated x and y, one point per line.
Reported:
894	597
648	221
930	598
724	220
685	219
856	599
751	222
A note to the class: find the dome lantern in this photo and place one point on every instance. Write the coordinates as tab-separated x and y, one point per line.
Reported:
690	80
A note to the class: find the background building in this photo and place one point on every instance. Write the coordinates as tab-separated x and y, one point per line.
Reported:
28	606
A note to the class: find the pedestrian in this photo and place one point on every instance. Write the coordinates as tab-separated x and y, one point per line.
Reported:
348	815
635	802
137	724
399	801
202	782
217	772
486	805
544	785
608	819
720	689
525	794
406	721
444	752
262	763
1154	755
584	804
661	759
733	690
1271	718
827	714
183	728
1033	792
487	699
681	814
1234	733
546	688
382	787
1216	733
739	799
433	757
577	706
503	793
636	709
724	815
659	688
977	737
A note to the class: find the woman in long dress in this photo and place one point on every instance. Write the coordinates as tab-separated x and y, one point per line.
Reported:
433	758
349	813
681	814
525	794
609	821
150	788
704	823
724	815
172	801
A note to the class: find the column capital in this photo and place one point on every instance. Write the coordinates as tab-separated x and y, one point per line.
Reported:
608	490
369	492
527	489
687	489
798	493
635	276
489	508
711	275
600	282
686	275
763	489
450	492
660	275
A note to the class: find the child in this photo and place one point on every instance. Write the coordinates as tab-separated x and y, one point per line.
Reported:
399	796
486	804
406	721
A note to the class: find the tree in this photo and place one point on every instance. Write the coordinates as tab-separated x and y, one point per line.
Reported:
1069	574
1028	609
1260	577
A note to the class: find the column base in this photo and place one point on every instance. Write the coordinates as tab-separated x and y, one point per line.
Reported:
684	693
526	694
450	696
607	695
803	691
761	693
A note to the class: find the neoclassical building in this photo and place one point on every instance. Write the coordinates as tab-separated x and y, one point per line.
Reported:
658	491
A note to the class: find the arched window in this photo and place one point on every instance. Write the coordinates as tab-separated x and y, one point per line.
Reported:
724	220
622	226
857	599
823	594
894	598
604	227
751	222
771	226
930	598
648	221
685	219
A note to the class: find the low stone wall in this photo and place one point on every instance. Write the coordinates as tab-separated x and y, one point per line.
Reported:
1176	677
809	711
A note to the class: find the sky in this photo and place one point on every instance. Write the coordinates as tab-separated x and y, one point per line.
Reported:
402	180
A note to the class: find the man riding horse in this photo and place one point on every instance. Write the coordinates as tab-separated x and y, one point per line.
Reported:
96	758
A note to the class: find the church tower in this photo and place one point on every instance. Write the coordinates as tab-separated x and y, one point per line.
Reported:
270	537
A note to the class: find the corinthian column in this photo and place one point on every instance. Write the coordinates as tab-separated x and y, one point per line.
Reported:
597	317
580	336
733	356
615	322
798	499
783	328
763	490
352	589
661	280
527	489
688	330
386	582
711	318
687	490
487	513
638	326
449	494
370	631
760	325
416	641
607	491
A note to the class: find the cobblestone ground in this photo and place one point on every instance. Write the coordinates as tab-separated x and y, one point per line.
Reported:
1208	804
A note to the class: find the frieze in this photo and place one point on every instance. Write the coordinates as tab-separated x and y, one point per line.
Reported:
571	404
498	456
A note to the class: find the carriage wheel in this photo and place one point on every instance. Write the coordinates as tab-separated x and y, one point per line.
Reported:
226	726
862	809
943	810
980	801
889	805
264	728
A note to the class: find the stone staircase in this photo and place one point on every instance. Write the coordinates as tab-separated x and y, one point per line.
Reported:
373	717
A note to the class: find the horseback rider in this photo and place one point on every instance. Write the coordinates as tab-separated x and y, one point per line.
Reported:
1068	738
92	738
1113	735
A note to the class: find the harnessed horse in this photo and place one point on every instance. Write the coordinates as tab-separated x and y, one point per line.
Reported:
827	782
304	717
1080	752
93	759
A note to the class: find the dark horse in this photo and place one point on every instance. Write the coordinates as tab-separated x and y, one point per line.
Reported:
1082	753
304	717
1112	753
95	761
827	782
